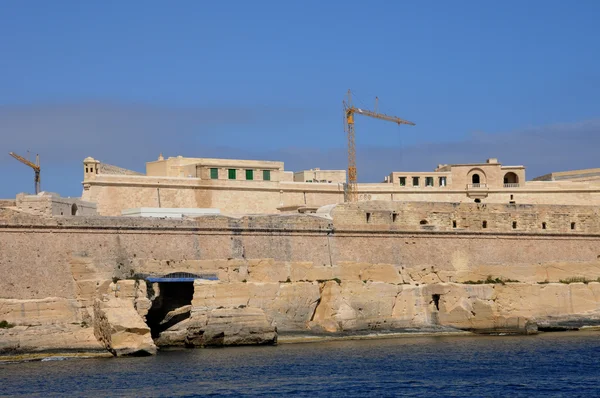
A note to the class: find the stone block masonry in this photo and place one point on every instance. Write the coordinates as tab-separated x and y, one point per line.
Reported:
339	270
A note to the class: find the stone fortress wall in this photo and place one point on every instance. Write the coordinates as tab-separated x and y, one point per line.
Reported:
339	270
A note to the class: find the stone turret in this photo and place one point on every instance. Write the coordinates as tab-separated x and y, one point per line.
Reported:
90	168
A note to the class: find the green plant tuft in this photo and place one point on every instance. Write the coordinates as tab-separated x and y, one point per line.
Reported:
491	281
577	279
6	325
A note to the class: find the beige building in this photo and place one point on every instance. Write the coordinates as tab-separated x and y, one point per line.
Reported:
318	175
257	187
573	175
50	204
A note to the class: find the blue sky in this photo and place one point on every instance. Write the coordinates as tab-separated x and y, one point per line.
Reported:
124	80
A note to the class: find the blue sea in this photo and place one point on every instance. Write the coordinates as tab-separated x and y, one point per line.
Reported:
552	364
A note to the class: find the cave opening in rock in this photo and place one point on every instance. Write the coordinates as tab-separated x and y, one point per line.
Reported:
167	297
436	301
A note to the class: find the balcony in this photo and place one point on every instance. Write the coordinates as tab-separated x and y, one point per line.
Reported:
511	185
477	186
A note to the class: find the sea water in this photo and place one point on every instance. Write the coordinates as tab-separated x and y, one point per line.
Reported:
552	364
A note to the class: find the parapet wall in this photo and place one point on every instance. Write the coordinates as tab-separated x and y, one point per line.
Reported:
489	218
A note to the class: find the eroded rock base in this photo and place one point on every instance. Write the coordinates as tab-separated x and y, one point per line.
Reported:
221	327
119	327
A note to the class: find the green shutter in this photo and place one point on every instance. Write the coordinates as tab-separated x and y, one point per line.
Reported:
266	175
249	174
214	174
231	174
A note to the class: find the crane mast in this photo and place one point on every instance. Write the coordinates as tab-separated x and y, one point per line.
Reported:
349	111
35	166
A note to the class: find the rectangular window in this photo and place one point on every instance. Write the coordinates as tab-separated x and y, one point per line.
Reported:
231	174
249	174
402	181
428	181
415	181
266	175
214	174
442	181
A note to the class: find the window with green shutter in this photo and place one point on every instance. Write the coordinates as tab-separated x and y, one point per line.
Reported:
249	174
266	175
214	174
231	174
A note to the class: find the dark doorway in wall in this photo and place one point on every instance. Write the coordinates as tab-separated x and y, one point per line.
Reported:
169	296
475	179
74	210
477	200
436	301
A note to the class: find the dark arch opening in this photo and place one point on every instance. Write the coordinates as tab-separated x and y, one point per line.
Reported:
476	179
423	222
171	305
74	210
511	178
477	200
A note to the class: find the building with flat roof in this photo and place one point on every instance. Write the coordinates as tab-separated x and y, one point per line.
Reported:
572	175
235	186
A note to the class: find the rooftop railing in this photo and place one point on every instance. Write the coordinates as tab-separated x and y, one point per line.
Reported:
511	185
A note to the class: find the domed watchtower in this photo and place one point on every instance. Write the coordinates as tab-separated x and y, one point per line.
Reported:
90	168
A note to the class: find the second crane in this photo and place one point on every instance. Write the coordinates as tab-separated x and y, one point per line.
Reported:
349	111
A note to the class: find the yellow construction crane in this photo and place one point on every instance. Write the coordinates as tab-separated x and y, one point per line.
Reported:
349	111
35	167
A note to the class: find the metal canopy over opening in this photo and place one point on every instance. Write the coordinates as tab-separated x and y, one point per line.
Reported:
181	277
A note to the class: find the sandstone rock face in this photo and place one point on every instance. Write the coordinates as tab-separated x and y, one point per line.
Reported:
220	314
288	306
238	326
49	338
51	310
119	327
355	306
342	306
134	290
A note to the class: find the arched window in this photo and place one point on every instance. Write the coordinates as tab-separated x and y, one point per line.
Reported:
74	210
511	178
476	179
